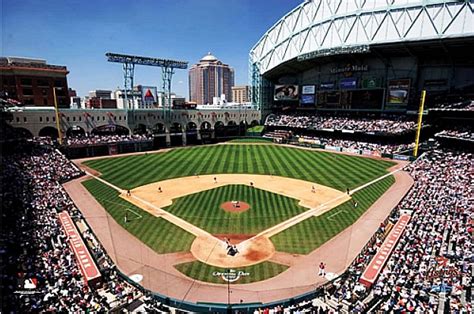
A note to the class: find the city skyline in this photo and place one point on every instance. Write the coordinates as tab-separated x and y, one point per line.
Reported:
77	34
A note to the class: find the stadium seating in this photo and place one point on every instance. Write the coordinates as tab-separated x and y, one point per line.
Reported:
104	139
37	256
389	125
459	133
40	271
281	136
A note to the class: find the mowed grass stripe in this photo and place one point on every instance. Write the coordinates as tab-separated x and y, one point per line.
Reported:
279	166
293	165
151	230
314	166
178	158
334	170
151	171
203	209
108	164
308	235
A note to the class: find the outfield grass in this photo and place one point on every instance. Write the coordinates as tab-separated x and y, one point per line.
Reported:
203	272
311	233
159	234
203	209
334	170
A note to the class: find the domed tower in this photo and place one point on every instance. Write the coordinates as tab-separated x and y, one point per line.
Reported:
210	78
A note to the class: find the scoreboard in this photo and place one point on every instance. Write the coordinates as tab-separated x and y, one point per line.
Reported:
351	99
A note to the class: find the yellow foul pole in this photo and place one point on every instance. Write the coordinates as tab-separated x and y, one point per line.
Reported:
420	118
58	126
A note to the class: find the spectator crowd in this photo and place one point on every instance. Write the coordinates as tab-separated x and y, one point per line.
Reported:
104	139
391	125
438	235
461	133
359	145
284	137
38	267
467	105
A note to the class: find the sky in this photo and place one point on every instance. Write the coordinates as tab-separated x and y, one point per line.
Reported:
77	34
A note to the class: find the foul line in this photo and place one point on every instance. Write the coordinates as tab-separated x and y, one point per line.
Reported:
196	231
268	232
305	215
336	213
118	204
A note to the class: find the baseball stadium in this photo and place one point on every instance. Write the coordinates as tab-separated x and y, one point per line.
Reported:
345	186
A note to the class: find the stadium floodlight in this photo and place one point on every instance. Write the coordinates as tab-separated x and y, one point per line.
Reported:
167	66
157	62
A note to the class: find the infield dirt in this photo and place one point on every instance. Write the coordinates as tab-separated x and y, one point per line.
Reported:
212	250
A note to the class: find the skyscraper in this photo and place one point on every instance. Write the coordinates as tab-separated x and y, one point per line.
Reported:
210	78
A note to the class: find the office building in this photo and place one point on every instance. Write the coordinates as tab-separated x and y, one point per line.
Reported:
210	78
31	81
240	94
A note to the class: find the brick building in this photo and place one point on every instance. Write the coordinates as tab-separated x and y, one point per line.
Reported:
31	81
240	94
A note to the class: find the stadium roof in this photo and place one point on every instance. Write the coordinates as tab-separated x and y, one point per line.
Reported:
321	28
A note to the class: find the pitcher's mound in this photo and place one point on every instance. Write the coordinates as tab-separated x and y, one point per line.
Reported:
235	206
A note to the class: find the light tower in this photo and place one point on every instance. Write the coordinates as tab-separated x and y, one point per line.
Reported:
167	72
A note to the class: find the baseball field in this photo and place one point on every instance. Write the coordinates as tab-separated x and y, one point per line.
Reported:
272	203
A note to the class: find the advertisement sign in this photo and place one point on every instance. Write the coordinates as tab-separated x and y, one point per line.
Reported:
371	82
348	83
333	148
367	99
149	95
231	275
307	99
431	83
398	91
86	263
286	92
370	274
308	90
326	85
376	153
349	68
351	150
401	157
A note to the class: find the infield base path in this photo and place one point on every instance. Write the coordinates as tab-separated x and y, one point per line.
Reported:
212	250
294	188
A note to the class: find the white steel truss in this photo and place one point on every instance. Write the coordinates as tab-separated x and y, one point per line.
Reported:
324	26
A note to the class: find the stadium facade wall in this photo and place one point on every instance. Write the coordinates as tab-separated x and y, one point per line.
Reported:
38	122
